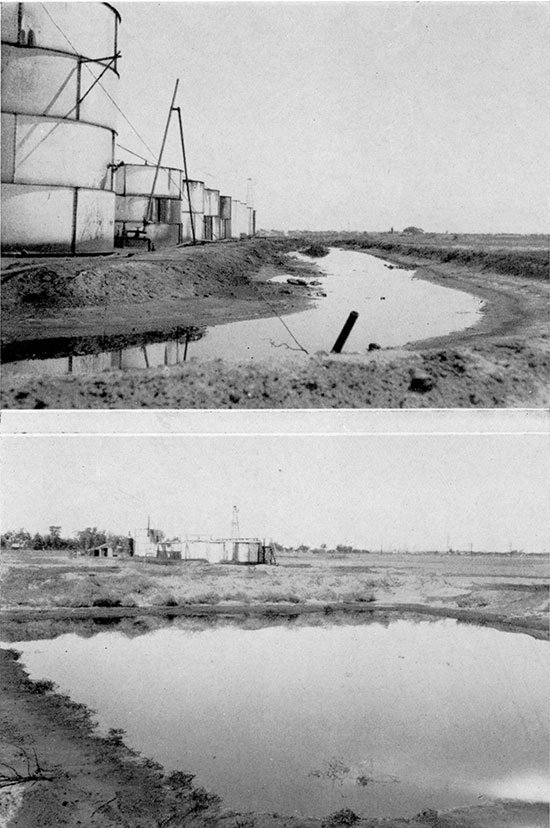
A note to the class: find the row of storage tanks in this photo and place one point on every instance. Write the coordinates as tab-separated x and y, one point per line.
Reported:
147	543
180	210
62	191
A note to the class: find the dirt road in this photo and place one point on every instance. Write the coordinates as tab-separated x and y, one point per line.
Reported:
501	362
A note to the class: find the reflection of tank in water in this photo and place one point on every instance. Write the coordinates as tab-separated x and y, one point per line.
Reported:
89	355
157	354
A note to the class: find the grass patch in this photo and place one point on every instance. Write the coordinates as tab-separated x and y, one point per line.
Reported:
532	264
316	250
357	596
280	598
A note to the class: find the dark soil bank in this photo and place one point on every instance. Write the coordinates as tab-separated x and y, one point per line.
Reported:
508	374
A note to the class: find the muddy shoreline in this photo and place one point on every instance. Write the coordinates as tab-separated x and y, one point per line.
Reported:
502	361
99	782
534	627
506	312
72	776
96	302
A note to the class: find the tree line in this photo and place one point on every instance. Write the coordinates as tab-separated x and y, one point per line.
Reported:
81	541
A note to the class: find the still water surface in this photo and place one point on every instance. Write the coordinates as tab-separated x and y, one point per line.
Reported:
381	718
394	308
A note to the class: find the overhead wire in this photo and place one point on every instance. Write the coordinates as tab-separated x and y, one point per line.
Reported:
113	101
145	144
117	107
96	81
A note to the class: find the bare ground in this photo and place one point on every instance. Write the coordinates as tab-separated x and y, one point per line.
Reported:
501	362
74	777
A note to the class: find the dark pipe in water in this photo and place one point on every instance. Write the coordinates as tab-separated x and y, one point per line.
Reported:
345	332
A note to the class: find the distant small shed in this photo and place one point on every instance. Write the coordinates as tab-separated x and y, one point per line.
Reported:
102	551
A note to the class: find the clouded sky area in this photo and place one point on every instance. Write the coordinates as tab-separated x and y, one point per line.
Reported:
408	492
357	115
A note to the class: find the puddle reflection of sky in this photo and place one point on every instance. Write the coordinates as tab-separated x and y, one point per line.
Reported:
386	720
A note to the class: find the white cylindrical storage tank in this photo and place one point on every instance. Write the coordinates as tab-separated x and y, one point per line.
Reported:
133	185
236	219
250	220
213	551
211	214
225	207
198	227
211	202
196	194
196	191
144	546
59	82
246	551
243	210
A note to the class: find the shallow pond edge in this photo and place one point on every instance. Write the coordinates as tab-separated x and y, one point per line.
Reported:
534	627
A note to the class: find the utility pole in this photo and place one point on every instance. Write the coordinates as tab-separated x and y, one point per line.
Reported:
249	193
235	531
177	109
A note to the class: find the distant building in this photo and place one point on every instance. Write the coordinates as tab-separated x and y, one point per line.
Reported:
102	551
150	543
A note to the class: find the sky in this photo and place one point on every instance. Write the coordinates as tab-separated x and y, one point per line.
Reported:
350	115
394	491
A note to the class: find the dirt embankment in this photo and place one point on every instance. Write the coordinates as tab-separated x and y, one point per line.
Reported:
501	362
143	292
507	375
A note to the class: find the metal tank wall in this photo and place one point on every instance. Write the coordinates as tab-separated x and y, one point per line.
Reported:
144	547
211	214
235	232
243	218
213	551
58	128
211	202
245	551
133	185
196	191
239	219
198	226
225	217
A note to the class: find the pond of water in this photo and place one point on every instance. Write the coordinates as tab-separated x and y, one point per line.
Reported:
383	718
394	308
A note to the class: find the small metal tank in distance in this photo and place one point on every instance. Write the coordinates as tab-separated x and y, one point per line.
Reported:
196	192
211	214
133	185
225	217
